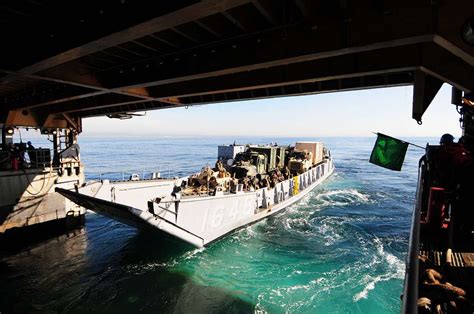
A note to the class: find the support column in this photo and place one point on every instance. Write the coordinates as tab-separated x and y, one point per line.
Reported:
4	137
425	89
56	146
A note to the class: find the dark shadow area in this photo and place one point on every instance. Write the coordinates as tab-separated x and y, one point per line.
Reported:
17	239
107	267
5	211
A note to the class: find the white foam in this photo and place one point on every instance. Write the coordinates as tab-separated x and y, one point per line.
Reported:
297	224
243	235
342	197
395	270
140	269
326	228
364	293
193	253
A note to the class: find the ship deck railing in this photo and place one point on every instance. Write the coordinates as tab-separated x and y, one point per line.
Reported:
410	292
438	248
38	158
136	174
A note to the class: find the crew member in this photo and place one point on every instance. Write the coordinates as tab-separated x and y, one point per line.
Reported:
452	161
14	156
455	167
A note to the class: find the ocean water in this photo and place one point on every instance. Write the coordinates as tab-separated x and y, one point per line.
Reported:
341	249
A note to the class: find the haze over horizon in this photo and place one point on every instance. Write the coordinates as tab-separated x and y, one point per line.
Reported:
353	113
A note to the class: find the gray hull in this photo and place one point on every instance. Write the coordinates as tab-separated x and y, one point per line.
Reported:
197	220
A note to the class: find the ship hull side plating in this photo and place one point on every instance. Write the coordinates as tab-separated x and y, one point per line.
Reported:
27	198
198	220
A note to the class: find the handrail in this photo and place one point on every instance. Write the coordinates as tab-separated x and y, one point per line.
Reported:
410	291
125	174
40	159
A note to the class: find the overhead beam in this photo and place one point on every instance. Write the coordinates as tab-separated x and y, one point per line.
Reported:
455	50
104	100
164	41
241	61
17	118
208	28
267	9
243	80
87	95
319	87
38	99
114	56
183	34
175	18
452	69
452	18
68	80
425	88
303	7
381	61
273	47
170	78
136	42
132	52
149	105
101	101
236	22
273	59
74	124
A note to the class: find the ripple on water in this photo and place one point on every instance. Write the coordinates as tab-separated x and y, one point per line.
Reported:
339	249
342	198
290	276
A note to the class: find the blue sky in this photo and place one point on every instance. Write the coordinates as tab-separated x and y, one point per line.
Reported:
355	113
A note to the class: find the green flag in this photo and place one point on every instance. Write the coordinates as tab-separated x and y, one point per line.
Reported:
388	152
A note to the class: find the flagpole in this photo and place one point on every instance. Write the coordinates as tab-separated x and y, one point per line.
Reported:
377	133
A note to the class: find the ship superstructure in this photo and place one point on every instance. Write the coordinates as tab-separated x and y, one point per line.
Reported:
28	177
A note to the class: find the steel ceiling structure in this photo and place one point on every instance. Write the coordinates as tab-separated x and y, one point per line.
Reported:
62	61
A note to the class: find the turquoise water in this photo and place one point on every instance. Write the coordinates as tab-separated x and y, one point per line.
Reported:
341	249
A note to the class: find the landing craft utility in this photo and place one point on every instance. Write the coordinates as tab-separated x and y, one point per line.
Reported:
248	183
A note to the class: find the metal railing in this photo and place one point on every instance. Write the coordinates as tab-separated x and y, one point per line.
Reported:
163	172
39	158
410	291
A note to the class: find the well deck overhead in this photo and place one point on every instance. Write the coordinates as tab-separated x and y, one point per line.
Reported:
61	60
